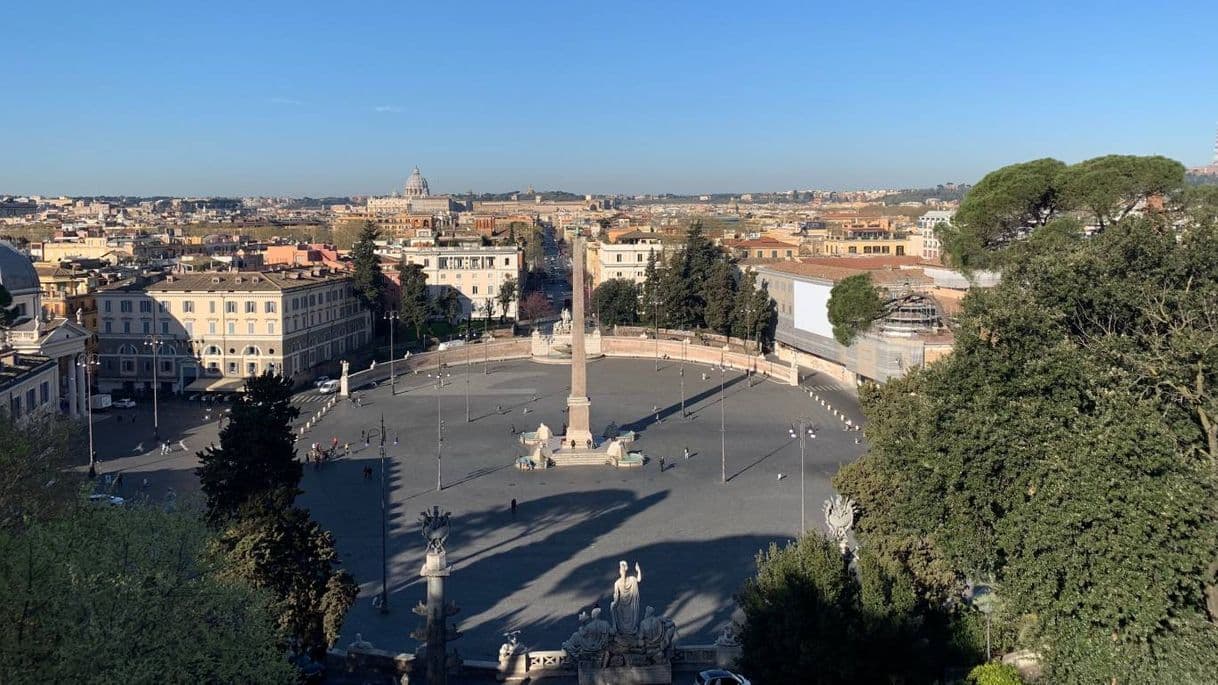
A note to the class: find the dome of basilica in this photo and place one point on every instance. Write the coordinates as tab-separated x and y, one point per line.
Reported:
416	185
17	273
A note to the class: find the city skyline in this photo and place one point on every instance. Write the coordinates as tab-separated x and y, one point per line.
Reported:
289	100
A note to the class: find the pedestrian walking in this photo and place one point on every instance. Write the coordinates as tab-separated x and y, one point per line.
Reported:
686	453
513	507
513	429
661	464
334	442
367	441
395	439
347	449
498	408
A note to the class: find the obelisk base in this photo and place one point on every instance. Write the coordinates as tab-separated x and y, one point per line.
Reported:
579	433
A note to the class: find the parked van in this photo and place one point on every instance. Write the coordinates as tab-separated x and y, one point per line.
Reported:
451	344
328	388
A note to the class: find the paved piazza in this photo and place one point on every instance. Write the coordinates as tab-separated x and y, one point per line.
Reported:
694	536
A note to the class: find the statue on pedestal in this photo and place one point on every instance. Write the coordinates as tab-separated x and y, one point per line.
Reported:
625	606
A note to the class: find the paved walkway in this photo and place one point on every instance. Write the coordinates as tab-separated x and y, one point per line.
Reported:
694	536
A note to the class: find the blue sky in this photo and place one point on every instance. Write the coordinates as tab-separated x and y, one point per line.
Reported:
307	98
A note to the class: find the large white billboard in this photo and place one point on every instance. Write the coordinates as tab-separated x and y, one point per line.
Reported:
812	308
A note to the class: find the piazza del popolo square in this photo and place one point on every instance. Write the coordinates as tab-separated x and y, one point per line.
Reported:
544	452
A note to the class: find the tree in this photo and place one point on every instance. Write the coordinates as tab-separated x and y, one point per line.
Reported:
650	295
1110	187
1000	209
535	306
854	304
277	547
256	455
507	295
130	595
1065	450
367	278
753	309
414	309
719	294
616	301
809	619
36	456
448	305
8	313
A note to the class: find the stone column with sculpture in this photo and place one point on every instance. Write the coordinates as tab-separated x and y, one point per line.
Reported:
344	381
436	633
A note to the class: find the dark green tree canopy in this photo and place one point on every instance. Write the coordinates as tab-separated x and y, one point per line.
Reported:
507	295
616	301
367	278
256	453
1110	187
414	307
130	595
854	304
1067	449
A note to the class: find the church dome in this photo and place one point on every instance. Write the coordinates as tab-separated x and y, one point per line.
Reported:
17	273
416	185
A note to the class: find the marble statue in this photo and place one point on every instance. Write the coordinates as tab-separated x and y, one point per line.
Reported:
728	637
591	641
346	365
80	316
512	647
839	516
625	605
658	635
435	529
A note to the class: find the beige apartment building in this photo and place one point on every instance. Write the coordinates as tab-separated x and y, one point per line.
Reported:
626	257
211	330
477	272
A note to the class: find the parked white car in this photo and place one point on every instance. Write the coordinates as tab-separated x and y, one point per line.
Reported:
317	383
124	403
328	388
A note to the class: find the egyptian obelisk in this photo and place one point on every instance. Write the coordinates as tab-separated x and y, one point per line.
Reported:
578	404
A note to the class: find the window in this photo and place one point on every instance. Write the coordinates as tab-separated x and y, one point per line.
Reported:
213	350
490	290
230	307
251	369
44	392
147	326
145	307
106	306
127	327
190	328
164	306
251	307
165	327
128	366
251	350
166	366
475	290
619	258
270	308
249	328
232	328
15	406
108	325
188	307
211	306
31	398
270	328
232	368
124	306
506	261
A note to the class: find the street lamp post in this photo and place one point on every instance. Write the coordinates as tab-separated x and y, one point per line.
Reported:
486	352
392	318
467	356
657	321
806	429
439	430
384	523
683	343
89	361
154	342
722	429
